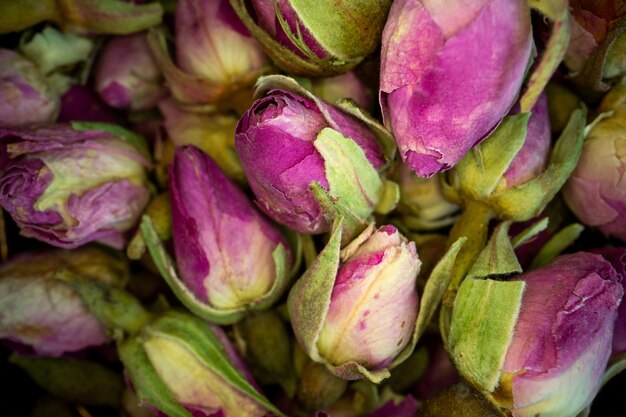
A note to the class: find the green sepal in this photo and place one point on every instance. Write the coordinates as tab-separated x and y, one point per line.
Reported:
615	367
288	60
194	90
530	232
166	267
485	312
435	288
557	244
309	298
498	258
558	12
117	309
135	140
198	337
74	380
51	49
353	182
483	321
529	199
480	171
146	381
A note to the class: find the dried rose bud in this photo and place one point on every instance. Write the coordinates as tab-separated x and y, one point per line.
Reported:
302	37
68	185
289	143
45	315
438	110
367	318
230	258
180	365
127	76
553	338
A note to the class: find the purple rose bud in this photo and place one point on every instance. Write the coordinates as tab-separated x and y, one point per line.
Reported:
562	339
276	141
545	349
81	103
127	76
617	258
212	43
437	109
67	187
372	309
225	248
44	315
595	191
532	158
25	95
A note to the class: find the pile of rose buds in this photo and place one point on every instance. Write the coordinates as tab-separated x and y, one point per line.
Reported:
312	208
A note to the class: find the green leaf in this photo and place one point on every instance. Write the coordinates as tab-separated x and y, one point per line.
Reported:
74	380
146	381
434	290
483	321
498	257
132	138
558	12
166	267
557	244
114	307
530	232
529	199
309	298
478	176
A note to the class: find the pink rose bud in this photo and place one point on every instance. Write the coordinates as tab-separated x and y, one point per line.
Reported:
371	312
227	252
446	79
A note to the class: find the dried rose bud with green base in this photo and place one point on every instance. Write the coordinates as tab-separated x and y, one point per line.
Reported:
230	258
44	315
303	37
545	351
306	160
181	366
372	290
68	185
